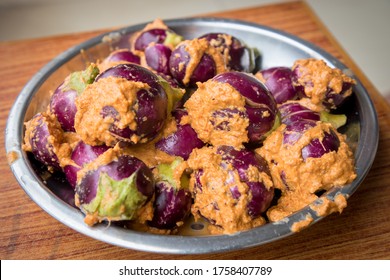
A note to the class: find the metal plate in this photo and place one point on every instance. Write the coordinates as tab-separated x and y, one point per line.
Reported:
277	49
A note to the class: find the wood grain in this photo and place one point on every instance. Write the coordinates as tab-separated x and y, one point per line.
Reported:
362	231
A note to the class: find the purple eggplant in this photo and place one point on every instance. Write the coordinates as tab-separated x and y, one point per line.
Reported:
305	157
120	56
62	102
114	189
124	56
317	147
171	206
228	180
81	155
182	141
323	85
260	105
157	58
242	160
156	32
234	108
173	199
131	102
238	57
278	80
63	105
43	138
294	111
195	61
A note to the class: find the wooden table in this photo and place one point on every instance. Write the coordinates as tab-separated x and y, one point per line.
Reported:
362	231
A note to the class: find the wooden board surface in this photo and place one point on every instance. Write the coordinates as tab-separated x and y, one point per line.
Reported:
362	231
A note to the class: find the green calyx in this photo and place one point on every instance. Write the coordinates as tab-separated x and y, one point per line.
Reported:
172	39
276	124
335	120
79	80
116	200
254	60
173	94
166	172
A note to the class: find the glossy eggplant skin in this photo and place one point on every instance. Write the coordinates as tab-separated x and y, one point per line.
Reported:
157	58
181	142
156	35
171	206
43	137
316	148
81	155
205	68
294	111
62	104
153	36
123	56
279	82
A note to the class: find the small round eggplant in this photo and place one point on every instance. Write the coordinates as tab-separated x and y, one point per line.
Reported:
114	190
157	33
306	157
173	199
323	85
131	102
171	206
81	155
157	58
232	181
120	56
294	111
216	111
182	141
317	147
279	82
62	102
195	61
123	56
238	57
242	161
260	105
43	138
152	103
